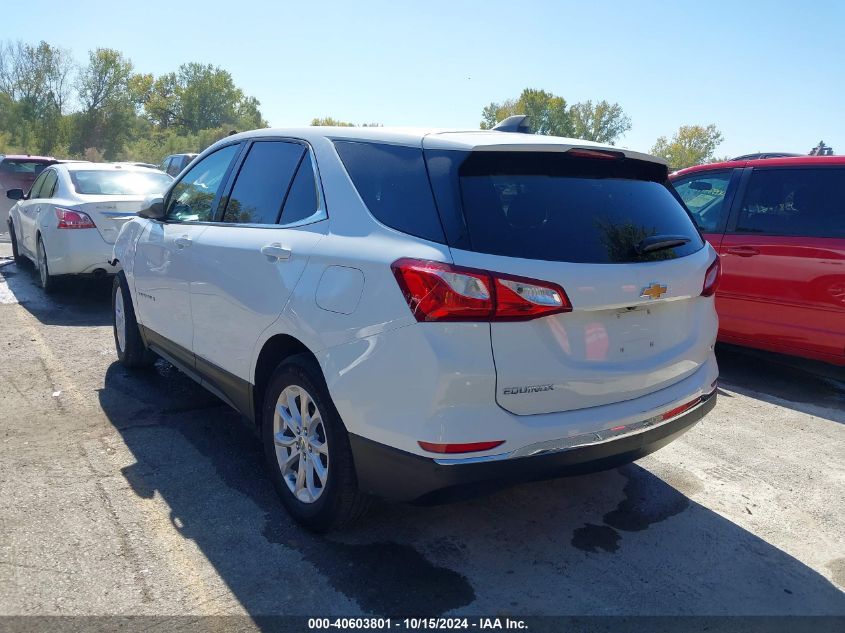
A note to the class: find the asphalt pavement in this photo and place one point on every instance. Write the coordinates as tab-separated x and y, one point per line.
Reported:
140	493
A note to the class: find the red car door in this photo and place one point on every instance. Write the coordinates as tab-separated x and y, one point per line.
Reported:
783	263
708	195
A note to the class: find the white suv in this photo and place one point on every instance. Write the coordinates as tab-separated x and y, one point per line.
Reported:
414	314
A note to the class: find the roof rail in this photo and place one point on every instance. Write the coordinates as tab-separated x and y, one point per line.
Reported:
514	123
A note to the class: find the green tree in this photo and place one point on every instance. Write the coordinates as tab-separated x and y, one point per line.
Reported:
691	145
108	108
120	114
36	81
602	122
330	121
547	113
207	96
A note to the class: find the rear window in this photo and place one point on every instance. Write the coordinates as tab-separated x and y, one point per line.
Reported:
119	183
393	183
554	207
31	167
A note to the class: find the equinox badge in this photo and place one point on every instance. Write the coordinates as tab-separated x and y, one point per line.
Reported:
513	391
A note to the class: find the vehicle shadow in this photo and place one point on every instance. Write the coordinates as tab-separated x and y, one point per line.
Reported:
76	302
625	541
802	385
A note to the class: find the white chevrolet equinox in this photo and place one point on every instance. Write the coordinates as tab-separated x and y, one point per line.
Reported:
416	314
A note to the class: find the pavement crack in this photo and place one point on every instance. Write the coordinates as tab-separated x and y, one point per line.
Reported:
127	551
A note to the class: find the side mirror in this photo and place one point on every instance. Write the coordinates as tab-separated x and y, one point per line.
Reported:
153	208
15	194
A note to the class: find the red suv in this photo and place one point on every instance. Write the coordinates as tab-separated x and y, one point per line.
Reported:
18	172
779	226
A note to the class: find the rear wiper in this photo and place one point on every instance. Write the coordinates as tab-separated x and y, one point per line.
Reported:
659	243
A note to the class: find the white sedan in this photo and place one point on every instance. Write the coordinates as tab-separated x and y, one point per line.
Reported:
70	218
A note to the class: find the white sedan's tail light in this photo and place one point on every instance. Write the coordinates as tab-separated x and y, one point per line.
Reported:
69	219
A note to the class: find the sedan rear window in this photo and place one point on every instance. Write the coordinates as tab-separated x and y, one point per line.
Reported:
557	207
119	183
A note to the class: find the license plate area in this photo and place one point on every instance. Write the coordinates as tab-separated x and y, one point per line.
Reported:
633	334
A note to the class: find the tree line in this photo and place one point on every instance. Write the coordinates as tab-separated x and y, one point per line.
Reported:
102	109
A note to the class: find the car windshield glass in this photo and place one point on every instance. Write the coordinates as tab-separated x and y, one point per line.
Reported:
119	183
33	167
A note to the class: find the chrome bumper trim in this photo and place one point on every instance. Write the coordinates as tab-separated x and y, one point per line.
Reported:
582	440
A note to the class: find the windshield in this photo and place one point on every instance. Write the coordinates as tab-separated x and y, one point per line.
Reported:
119	183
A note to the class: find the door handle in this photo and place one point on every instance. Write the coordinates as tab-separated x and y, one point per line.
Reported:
742	251
183	242
275	252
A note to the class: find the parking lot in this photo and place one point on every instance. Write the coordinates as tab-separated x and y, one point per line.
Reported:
140	493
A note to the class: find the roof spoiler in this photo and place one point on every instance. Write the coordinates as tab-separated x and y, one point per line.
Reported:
516	123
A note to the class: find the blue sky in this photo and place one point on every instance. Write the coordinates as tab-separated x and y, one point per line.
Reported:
770	75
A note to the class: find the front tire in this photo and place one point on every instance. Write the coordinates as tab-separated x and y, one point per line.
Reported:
16	255
49	283
131	351
307	449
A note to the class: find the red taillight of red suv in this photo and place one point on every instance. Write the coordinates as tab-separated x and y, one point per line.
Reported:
73	219
436	291
711	278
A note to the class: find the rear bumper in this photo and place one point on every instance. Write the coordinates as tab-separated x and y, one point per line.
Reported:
401	476
77	252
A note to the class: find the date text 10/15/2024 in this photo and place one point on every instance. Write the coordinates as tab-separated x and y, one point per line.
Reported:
383	624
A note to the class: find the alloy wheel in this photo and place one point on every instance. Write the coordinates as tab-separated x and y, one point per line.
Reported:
302	449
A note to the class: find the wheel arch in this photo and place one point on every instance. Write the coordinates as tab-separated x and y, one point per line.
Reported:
274	351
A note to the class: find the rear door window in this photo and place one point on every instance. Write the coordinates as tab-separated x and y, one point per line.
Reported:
393	183
556	207
704	195
808	202
49	185
262	182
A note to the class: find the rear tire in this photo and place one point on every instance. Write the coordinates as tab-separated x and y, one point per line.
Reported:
16	255
310	463
49	283
131	351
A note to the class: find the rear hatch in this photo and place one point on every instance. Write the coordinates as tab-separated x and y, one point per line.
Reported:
606	229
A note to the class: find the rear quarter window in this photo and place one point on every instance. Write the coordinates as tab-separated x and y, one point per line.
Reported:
393	183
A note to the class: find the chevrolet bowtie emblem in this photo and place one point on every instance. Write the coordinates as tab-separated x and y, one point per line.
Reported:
654	291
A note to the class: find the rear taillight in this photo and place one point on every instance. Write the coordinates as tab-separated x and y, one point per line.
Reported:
711	278
442	292
73	219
